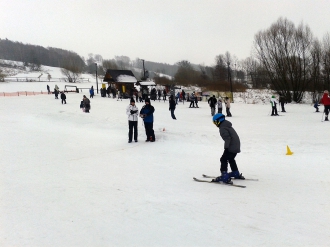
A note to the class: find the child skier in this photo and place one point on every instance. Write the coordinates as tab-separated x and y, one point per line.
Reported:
316	106
273	103
232	147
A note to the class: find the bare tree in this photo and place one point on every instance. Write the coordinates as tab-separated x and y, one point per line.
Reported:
2	75
72	70
186	74
284	51
326	60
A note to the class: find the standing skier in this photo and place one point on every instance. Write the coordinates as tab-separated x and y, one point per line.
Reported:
282	102
132	113
227	103
172	106
147	113
274	103
87	104
326	102
219	105
212	102
232	147
63	97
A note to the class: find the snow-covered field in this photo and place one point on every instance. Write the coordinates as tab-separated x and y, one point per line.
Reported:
71	179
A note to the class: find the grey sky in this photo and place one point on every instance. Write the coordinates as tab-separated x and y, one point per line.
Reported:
156	30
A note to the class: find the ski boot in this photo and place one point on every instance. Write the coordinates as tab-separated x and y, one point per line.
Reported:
326	118
224	178
236	175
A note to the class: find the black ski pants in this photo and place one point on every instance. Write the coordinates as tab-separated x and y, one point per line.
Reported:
326	109
228	157
132	125
149	127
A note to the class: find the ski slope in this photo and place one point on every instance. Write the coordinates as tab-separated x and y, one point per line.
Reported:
71	179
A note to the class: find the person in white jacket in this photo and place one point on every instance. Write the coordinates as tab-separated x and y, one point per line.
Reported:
274	103
132	112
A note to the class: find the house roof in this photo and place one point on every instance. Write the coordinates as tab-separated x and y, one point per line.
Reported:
146	83
122	76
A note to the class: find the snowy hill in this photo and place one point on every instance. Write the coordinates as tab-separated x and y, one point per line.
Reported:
18	73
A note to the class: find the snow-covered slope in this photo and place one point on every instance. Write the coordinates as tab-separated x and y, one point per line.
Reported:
71	179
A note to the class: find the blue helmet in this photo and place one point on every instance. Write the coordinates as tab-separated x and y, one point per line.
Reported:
218	119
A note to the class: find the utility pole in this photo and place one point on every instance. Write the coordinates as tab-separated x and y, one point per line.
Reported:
97	85
231	85
144	72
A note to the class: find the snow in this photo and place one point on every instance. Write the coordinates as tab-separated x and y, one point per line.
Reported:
71	179
126	78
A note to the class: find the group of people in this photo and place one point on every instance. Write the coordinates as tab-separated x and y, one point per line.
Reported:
213	102
146	113
57	92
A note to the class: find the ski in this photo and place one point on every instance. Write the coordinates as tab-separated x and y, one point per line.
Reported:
207	181
248	179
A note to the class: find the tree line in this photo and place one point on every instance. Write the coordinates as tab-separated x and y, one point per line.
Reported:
286	58
34	56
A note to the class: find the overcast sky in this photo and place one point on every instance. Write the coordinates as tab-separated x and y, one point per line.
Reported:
164	31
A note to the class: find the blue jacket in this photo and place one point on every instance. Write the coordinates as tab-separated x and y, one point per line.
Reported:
148	111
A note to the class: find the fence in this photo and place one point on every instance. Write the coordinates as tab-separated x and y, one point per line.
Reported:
37	79
21	93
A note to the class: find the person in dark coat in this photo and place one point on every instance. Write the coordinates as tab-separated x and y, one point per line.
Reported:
87	104
63	97
48	89
282	102
147	114
172	105
212	102
232	147
56	93
183	93
164	95
159	94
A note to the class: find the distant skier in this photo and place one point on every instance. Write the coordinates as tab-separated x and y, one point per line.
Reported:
219	105
192	100
172	106
132	112
87	104
56	93
196	101
274	103
164	94
48	89
227	103
316	106
63	97
326	102
147	114
212	102
183	93
91	92
232	147
282	102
